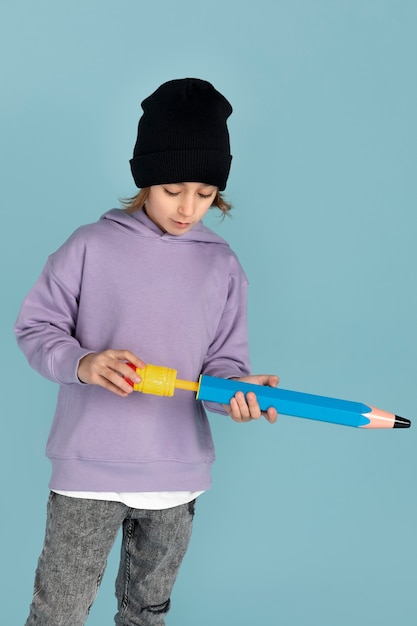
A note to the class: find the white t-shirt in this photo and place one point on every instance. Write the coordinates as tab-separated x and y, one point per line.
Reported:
152	500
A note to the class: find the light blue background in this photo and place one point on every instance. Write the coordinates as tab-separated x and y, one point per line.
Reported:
308	524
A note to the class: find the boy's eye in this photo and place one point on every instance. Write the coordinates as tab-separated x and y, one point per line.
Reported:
203	196
171	193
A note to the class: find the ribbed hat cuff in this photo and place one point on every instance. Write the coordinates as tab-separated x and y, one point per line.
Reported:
182	166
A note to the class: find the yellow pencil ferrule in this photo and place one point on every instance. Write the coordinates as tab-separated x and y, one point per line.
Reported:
156	380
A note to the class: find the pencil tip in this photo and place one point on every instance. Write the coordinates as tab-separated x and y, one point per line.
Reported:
401	422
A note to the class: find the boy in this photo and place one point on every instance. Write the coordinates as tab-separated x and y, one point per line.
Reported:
148	284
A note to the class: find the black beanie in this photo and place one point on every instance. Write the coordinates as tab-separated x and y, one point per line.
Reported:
183	136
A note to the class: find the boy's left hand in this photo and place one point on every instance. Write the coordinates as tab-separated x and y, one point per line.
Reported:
246	408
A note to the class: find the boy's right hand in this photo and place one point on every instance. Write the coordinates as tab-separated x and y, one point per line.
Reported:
109	369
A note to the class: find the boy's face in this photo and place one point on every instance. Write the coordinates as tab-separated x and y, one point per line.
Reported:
177	207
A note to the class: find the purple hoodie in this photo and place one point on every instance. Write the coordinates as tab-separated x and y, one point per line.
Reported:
122	283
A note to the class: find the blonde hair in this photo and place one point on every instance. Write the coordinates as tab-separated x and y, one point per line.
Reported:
130	205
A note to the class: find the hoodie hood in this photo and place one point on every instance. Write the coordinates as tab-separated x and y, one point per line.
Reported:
138	223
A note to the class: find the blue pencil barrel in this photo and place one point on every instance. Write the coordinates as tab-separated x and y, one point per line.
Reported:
287	402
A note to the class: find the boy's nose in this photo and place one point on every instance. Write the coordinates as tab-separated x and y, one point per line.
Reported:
186	207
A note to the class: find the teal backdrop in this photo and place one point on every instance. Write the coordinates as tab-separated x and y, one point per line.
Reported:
307	524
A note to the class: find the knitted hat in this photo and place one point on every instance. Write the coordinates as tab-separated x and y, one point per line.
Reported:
183	136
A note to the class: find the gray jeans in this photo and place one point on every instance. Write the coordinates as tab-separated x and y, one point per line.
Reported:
79	536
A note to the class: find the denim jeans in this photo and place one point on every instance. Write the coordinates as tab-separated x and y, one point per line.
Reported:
79	536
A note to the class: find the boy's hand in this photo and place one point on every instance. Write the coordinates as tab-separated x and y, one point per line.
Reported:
108	369
244	409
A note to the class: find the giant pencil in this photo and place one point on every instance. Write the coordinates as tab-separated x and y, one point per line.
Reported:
163	381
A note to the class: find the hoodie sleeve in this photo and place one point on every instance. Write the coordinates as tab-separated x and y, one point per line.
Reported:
46	325
228	355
